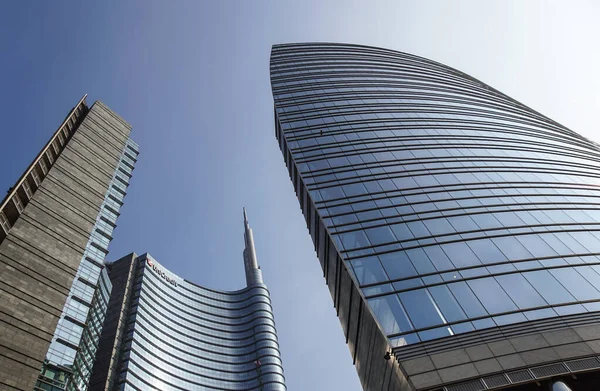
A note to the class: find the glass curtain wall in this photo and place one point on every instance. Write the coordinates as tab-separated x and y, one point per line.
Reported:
181	336
455	207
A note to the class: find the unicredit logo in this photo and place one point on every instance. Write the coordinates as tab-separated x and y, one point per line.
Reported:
161	273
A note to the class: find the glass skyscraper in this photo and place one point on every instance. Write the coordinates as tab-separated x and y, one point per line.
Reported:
163	332
55	225
458	230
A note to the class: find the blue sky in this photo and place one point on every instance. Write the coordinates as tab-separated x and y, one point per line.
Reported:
192	77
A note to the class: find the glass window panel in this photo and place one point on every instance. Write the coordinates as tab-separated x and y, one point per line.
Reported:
420	260
402	232
570	309
380	235
573	244
536	246
486	221
504	268
377	289
354	239
587	240
463	223
418	229
521	291
331	193
575	283
540	314
590	274
438	226
460	254
438	257
439	332
434	279
467	299
483	323
397	265
354	189
592	307
553	262
509	319
408	284
486	251
368	270
550	289
491	295
447	303
475	272
512	248
462	327
421	308
404	340
390	314
528	265
556	244
509	219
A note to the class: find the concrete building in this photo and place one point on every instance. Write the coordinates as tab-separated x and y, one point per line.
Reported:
457	229
163	332
55	224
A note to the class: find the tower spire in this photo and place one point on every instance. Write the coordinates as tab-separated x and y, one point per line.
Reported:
253	273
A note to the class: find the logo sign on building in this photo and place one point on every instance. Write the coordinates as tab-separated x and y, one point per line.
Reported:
160	272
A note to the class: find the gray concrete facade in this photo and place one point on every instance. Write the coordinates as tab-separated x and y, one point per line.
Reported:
40	254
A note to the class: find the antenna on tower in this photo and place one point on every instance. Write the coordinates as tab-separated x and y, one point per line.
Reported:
253	273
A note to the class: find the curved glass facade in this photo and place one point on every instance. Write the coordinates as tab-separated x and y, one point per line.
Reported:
181	336
454	207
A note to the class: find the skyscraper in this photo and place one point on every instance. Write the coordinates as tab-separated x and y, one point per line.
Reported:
457	228
55	226
163	332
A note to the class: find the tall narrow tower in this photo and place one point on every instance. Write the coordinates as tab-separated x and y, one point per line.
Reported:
253	273
458	230
55	225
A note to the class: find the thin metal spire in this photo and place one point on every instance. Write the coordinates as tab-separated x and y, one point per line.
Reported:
253	273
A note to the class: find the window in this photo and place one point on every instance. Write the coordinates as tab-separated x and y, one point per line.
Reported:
439	258
536	246
27	189
17	202
420	260
380	235
43	166
422	310
460	254
486	251
390	314
36	177
512	248
355	239
418	229
521	291
550	289
4	223
368	270
50	157
575	283
397	265
61	138
447	303
491	295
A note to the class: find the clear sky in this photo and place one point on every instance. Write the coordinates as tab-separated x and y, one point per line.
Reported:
192	77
